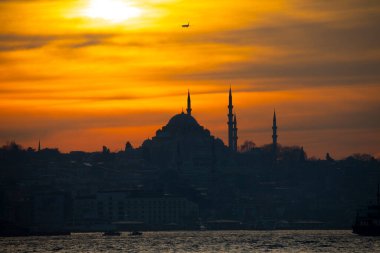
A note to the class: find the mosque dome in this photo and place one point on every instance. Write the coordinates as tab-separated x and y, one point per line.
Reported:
182	122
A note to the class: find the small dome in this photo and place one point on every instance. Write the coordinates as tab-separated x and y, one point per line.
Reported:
147	142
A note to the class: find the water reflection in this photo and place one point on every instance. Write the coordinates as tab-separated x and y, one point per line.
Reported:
205	241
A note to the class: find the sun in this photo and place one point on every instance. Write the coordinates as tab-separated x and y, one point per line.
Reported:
115	11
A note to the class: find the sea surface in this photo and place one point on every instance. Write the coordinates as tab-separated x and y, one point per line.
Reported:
199	241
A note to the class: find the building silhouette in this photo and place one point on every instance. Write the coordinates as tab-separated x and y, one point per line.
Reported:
144	211
184	145
181	178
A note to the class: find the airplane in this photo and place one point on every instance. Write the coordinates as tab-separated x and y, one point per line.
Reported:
186	26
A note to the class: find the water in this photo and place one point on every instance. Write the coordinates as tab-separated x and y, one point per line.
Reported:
205	241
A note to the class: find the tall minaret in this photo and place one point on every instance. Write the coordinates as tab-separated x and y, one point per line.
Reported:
39	145
235	139
274	127
188	103
230	122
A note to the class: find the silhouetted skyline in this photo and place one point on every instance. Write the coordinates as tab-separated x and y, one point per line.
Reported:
231	130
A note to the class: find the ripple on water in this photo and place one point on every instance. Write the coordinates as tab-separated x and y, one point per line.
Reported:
194	241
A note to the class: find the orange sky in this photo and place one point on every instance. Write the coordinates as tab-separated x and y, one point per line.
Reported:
78	76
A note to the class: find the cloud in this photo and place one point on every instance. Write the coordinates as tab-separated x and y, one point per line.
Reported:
293	73
12	42
298	34
8	77
299	51
87	40
76	94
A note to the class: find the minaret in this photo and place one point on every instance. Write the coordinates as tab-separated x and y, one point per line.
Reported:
39	145
230	122
235	139
188	103
274	136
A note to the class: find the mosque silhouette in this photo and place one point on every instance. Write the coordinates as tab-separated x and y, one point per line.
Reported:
187	146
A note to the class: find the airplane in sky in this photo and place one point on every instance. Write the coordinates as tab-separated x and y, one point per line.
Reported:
186	25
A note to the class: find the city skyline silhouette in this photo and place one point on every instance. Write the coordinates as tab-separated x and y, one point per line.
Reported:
230	134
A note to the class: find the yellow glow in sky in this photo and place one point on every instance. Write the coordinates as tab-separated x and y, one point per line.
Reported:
115	11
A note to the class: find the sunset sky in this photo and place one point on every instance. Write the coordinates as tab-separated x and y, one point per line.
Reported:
81	74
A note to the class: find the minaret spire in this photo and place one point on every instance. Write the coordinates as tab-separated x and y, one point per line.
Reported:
230	97
230	122
274	136
39	145
188	102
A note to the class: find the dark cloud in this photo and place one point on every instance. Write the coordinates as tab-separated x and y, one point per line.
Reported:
11	42
7	77
72	94
307	52
91	40
361	118
354	33
295	73
336	5
343	113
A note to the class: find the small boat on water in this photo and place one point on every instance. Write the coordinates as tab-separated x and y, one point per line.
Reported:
111	233
368	224
135	233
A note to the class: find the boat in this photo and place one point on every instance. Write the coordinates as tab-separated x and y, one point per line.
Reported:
368	224
111	233
135	233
